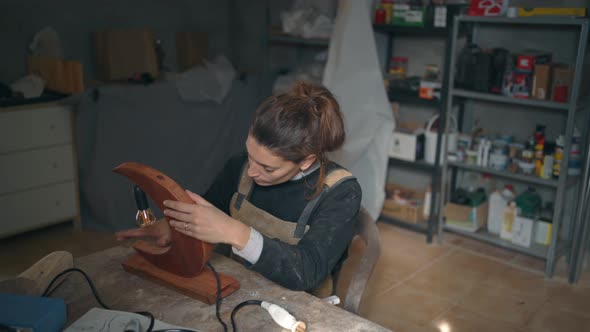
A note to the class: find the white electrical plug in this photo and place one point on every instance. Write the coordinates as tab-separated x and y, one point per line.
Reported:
283	317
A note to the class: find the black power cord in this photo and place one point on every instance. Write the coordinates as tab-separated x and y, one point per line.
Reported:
49	290
150	328
66	271
218	297
238	307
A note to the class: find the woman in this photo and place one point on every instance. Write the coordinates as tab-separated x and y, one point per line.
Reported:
284	208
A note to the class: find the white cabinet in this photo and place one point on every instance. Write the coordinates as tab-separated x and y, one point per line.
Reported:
38	182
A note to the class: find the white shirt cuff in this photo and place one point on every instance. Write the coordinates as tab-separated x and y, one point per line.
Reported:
253	248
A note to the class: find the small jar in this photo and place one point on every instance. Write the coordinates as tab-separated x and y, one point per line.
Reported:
399	67
380	15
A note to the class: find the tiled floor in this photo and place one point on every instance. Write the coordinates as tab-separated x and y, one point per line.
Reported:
462	285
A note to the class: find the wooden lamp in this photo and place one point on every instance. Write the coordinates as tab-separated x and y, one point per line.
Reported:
180	265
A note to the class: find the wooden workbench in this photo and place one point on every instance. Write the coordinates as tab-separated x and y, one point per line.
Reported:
123	291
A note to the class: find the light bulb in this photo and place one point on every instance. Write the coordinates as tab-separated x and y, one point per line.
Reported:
145	218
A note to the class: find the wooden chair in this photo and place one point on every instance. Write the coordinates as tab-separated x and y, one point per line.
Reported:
356	271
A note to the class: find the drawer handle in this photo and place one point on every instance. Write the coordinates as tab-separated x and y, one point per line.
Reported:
57	203
54	165
52	127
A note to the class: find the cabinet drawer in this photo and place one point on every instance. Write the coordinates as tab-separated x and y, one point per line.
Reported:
31	128
29	169
32	209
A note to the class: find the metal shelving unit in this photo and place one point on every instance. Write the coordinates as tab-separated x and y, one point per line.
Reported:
420	227
551	105
403	96
503	174
412	31
419	165
282	38
536	250
560	244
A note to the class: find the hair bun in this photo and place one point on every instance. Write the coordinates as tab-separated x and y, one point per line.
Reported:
306	89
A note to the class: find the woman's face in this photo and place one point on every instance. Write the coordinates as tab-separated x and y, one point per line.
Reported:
267	169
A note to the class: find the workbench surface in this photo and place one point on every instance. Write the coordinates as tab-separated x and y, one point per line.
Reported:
123	291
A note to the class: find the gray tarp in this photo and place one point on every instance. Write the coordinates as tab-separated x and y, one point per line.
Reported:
189	141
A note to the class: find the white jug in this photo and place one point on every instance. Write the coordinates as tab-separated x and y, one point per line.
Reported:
431	138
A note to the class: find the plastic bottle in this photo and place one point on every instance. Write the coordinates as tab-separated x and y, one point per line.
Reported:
380	15
387	6
510	213
497	204
575	161
487	182
547	168
558	155
530	203
480	151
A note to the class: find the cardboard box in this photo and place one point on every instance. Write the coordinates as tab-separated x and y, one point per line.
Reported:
191	49
408	15
59	75
528	58
561	82
466	218
410	212
407	145
122	53
430	90
541	81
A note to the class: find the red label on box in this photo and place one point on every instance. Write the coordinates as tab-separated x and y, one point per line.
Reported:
525	62
487	7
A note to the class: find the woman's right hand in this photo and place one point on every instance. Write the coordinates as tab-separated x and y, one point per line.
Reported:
159	233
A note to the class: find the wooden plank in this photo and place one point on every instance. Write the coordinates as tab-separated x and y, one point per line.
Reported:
202	287
35	279
122	291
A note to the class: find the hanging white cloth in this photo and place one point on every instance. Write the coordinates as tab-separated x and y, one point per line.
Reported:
353	75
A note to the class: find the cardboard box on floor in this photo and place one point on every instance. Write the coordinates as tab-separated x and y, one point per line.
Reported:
404	212
191	49
465	217
122	53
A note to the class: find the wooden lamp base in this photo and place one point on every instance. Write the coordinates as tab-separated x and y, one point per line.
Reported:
202	287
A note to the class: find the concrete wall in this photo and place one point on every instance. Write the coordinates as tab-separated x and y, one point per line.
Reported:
75	21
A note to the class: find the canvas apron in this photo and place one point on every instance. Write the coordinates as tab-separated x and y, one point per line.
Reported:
273	227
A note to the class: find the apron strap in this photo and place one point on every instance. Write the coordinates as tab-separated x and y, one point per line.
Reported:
244	187
333	179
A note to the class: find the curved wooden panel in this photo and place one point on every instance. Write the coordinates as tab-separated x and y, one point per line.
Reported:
186	256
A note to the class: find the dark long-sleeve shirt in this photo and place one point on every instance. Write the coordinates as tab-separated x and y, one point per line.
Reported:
305	265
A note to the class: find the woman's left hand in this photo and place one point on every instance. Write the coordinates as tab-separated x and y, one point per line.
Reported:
205	222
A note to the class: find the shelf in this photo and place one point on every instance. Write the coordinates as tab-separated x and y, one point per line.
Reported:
408	30
418	165
553	20
280	38
421	227
536	250
509	100
517	177
411	97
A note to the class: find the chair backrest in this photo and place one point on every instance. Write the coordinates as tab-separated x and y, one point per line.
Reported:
366	230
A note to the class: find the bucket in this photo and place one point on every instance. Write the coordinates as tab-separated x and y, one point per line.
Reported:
431	139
